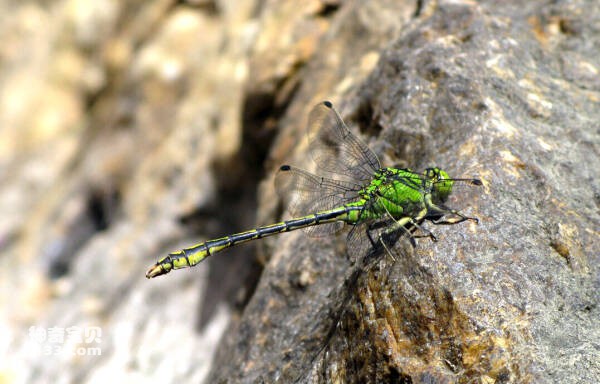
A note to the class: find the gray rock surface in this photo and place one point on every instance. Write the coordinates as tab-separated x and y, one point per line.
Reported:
130	129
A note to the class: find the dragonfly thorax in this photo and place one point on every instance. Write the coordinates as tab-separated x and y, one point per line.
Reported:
394	191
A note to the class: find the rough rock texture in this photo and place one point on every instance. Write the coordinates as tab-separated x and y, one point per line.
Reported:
130	129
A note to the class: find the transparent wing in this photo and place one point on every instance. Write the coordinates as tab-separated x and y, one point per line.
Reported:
307	193
372	239
336	150
461	197
358	243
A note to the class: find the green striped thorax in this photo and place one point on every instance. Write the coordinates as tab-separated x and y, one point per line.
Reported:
402	192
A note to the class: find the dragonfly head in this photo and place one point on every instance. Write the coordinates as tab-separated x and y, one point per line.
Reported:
440	183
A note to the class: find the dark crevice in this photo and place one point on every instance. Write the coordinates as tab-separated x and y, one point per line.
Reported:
59	267
395	376
570	27
235	272
211	8
100	209
366	120
258	9
418	8
328	9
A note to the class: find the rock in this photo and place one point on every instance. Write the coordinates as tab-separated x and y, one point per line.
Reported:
474	89
131	130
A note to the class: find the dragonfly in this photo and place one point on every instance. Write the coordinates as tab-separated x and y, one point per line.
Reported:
379	204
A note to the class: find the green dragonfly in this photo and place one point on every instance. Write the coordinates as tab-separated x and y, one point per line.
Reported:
379	203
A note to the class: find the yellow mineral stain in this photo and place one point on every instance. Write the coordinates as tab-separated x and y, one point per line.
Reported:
368	61
485	176
34	297
473	350
467	149
501	342
511	159
495	64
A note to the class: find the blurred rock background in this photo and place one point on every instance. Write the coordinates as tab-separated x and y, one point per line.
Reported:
129	129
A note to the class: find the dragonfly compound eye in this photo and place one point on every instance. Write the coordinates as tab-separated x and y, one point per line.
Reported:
442	188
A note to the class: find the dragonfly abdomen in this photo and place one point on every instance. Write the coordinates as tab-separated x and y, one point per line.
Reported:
189	257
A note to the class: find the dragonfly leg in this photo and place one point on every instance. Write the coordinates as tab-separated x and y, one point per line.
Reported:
433	210
459	218
378	240
388	251
398	225
401	224
426	232
415	223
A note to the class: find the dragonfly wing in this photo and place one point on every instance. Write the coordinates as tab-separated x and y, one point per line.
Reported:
324	230
459	199
336	150
358	243
308	193
373	238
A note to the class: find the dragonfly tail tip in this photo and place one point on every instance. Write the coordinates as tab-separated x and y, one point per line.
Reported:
156	270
